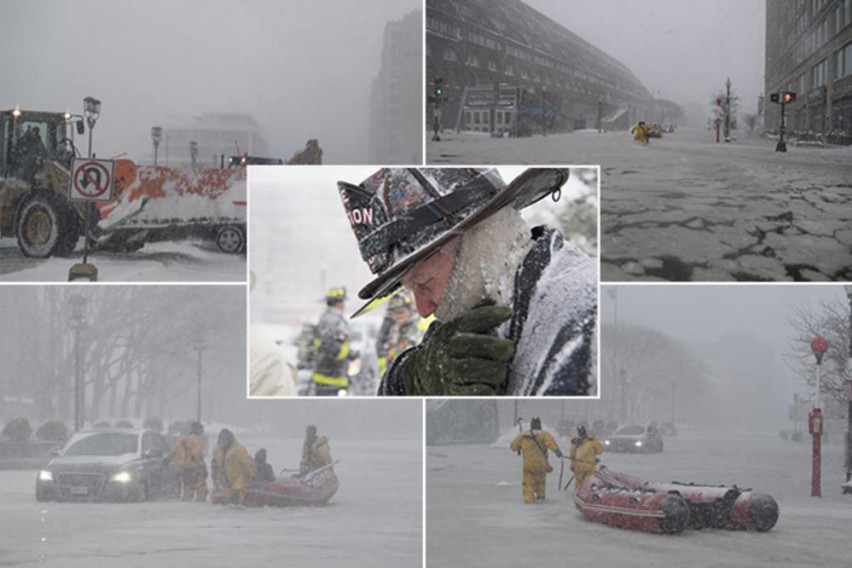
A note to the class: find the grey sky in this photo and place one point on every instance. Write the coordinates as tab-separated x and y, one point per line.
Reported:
699	315
302	68
685	49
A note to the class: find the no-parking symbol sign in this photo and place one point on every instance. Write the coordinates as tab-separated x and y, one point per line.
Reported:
91	180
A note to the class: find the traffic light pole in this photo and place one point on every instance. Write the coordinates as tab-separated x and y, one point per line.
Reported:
782	146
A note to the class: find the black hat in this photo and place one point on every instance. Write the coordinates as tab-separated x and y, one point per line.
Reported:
401	216
581	431
535	424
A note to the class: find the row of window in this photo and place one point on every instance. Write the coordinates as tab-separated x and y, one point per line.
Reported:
818	76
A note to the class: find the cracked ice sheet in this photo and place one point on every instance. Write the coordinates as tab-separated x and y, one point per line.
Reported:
684	175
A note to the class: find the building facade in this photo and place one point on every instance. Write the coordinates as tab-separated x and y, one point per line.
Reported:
395	111
809	52
217	136
508	68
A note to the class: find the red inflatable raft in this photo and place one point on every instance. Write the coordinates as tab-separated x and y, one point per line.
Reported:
629	502
315	488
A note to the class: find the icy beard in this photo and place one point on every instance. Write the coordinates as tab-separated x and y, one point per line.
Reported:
485	264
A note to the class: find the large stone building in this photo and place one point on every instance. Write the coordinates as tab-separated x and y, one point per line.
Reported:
507	67
809	52
395	111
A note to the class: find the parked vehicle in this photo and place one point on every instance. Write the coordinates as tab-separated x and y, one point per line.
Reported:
109	464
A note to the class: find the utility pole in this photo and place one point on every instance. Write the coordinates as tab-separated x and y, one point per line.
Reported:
728	110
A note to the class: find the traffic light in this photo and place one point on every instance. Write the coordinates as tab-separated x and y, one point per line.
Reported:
718	101
439	87
789	97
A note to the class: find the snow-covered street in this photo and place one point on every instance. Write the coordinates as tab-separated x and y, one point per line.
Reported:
686	208
179	261
476	517
376	515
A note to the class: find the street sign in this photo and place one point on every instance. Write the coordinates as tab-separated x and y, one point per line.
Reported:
91	180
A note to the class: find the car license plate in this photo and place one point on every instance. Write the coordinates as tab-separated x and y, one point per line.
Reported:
79	490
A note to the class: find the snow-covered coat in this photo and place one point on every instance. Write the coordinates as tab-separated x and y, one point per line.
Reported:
554	300
271	373
332	349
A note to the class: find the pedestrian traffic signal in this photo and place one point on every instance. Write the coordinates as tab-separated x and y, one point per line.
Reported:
789	97
774	98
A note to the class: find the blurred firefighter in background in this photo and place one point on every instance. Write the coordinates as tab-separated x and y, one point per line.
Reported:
533	446
188	455
233	468
401	328
332	347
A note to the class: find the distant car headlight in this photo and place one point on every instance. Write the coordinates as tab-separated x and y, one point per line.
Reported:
45	475
606	442
638	443
122	477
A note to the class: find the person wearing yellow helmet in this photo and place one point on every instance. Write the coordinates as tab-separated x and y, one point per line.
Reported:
332	347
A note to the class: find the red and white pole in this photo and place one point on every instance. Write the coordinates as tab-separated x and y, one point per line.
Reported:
818	346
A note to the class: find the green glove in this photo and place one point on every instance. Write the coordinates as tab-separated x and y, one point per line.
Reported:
461	358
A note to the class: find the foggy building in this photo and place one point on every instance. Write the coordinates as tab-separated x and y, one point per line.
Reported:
809	52
215	135
507	67
395	111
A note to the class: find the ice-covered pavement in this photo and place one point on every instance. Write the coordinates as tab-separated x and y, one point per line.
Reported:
476	517
375	519
686	208
178	261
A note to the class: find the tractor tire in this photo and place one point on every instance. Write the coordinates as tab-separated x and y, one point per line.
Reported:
45	226
231	239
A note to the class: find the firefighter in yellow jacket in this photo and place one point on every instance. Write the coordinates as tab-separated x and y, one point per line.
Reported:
188	455
533	445
316	452
640	132
233	467
583	453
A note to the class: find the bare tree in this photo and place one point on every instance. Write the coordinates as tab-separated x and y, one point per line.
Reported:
830	320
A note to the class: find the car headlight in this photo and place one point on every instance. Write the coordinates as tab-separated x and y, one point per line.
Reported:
638	443
122	477
45	475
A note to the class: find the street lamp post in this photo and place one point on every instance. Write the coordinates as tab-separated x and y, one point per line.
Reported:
77	321
848	389
544	110
193	153
622	381
91	110
728	110
156	136
199	344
